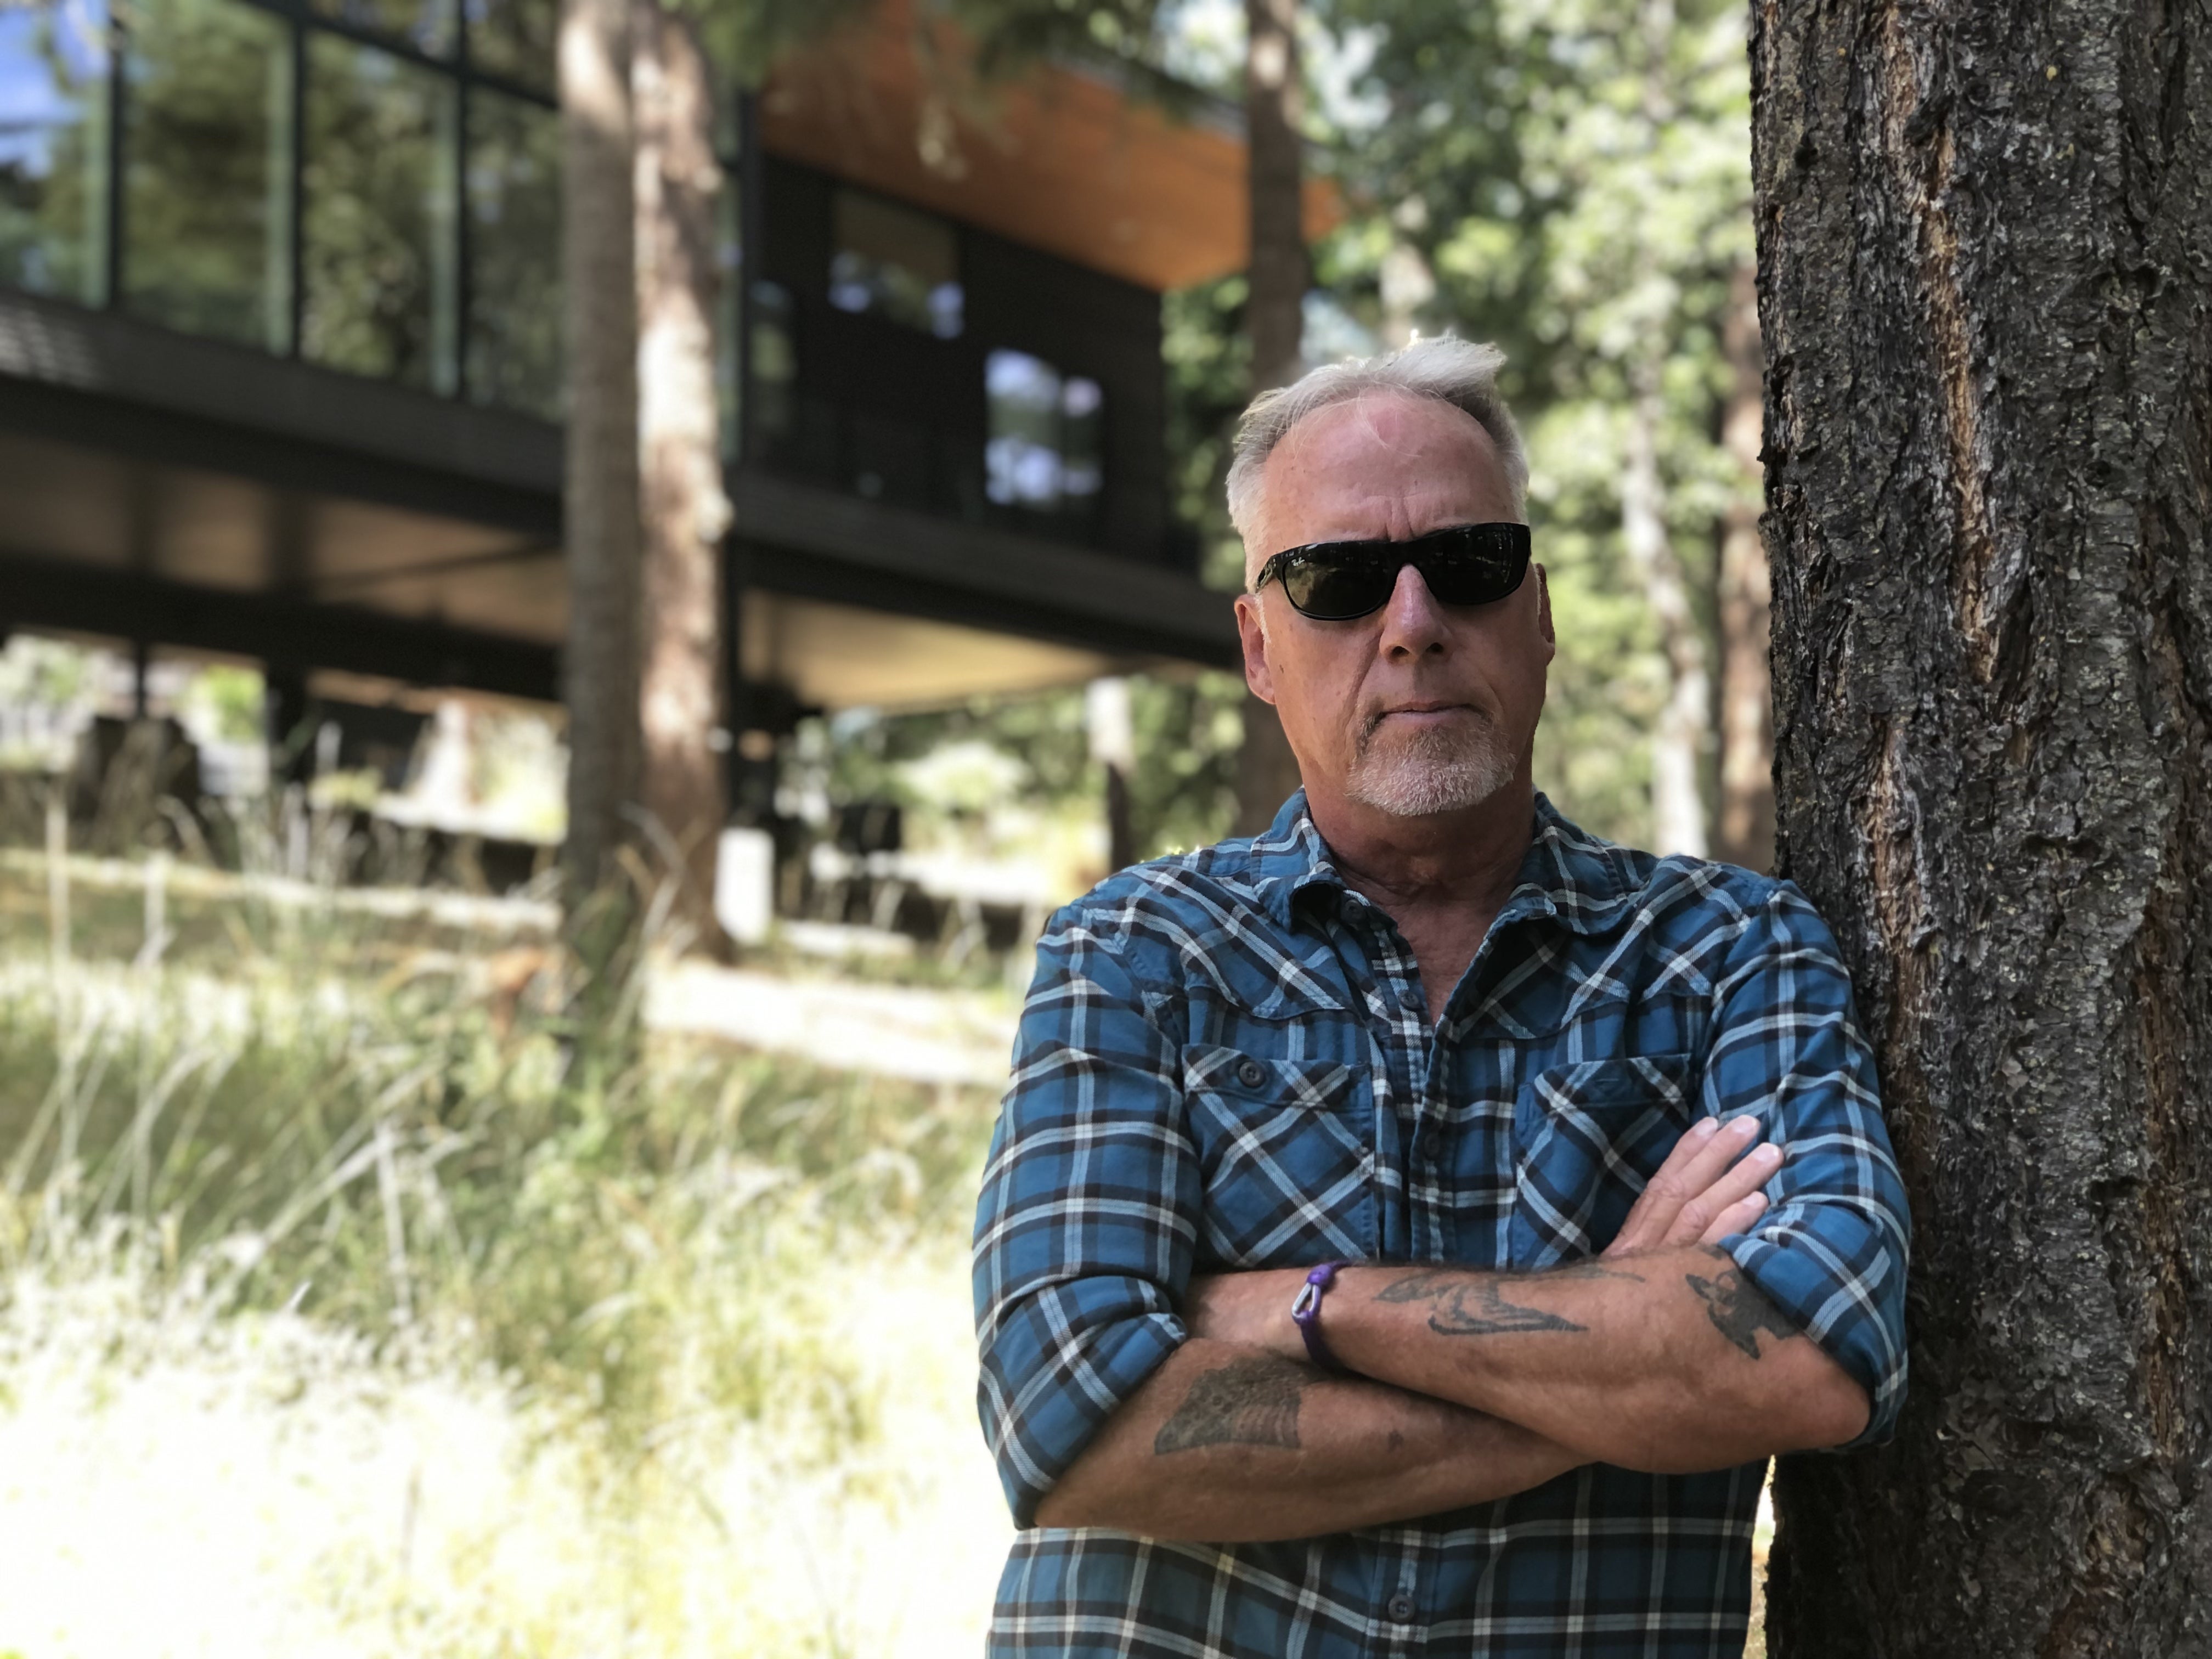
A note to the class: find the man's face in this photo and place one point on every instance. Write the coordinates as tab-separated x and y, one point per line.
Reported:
1418	708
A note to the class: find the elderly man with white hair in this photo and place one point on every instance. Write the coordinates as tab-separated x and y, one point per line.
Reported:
1413	1229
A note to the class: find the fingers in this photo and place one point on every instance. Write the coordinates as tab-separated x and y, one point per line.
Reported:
1700	1157
1733	1187
1735	1218
1707	1182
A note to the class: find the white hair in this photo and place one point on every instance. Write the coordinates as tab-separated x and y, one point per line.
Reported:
1460	372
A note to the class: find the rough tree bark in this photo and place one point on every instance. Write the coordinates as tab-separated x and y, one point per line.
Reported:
1274	317
685	512
1745	831
600	500
1985	274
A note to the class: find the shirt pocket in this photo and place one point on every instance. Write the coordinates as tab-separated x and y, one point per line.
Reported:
1285	1158
1589	1135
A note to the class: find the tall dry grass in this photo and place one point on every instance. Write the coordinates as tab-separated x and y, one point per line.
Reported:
653	1356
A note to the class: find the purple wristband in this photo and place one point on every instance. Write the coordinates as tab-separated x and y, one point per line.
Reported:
1305	1314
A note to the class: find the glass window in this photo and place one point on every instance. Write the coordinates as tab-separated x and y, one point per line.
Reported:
1044	453
1082	441
53	149
775	360
426	25
729	293
896	263
514	254
380	244
515	38
207	182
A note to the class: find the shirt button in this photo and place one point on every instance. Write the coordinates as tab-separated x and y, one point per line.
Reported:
1401	1609
1251	1074
1431	1144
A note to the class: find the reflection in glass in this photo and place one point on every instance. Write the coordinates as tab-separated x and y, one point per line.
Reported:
1045	450
379	254
896	263
515	38
1022	457
53	149
514	254
729	290
1082	441
207	186
775	360
426	25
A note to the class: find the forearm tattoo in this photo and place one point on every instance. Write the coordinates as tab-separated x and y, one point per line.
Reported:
1740	1310
1246	1402
1474	1304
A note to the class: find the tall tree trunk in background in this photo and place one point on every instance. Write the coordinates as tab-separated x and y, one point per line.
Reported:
679	444
1406	282
1985	271
1746	724
1274	317
1677	740
1275	113
1109	723
600	502
1678	800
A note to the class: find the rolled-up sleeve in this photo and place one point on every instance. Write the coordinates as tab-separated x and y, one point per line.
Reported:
1087	1220
1831	1250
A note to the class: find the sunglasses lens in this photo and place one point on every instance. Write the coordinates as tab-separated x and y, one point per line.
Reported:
1473	575
1332	587
1469	564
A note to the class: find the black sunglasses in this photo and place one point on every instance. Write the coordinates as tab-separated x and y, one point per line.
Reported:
1465	564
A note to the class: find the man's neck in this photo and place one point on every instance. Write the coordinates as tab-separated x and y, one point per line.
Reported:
1468	858
1442	879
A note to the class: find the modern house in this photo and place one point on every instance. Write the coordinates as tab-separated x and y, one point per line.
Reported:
280	353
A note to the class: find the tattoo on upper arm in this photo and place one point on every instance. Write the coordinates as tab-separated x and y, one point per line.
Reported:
1740	1310
1246	1402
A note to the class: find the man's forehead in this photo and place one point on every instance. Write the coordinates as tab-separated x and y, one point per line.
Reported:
1385	419
1375	464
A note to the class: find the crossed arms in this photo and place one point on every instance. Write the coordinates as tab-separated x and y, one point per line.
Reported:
1470	1386
1119	1389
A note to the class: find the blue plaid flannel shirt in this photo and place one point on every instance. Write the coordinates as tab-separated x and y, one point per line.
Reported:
1618	998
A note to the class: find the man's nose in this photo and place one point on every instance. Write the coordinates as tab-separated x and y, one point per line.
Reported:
1413	623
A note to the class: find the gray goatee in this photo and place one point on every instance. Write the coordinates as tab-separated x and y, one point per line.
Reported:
1444	768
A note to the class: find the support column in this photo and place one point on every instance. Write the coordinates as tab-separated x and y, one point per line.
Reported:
291	738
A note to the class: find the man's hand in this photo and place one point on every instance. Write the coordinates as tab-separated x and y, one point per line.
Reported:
1707	1189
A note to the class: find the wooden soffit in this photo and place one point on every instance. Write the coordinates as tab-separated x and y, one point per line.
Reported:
1058	158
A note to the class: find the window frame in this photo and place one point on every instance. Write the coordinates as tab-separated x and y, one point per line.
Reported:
301	20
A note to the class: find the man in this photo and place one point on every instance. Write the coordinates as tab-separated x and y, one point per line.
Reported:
1579	1148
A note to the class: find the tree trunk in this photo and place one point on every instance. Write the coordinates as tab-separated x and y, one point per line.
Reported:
1275	318
1109	723
599	502
1746	724
1274	110
1678	800
1985	272
679	444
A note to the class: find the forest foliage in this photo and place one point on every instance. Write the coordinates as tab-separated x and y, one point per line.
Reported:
1569	181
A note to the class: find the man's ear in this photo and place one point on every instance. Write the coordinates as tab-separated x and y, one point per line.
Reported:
1544	615
1252	633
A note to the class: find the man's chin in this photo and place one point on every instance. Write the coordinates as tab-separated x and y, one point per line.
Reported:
1422	789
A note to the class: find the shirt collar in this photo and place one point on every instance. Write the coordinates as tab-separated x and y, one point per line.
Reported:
1582	881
